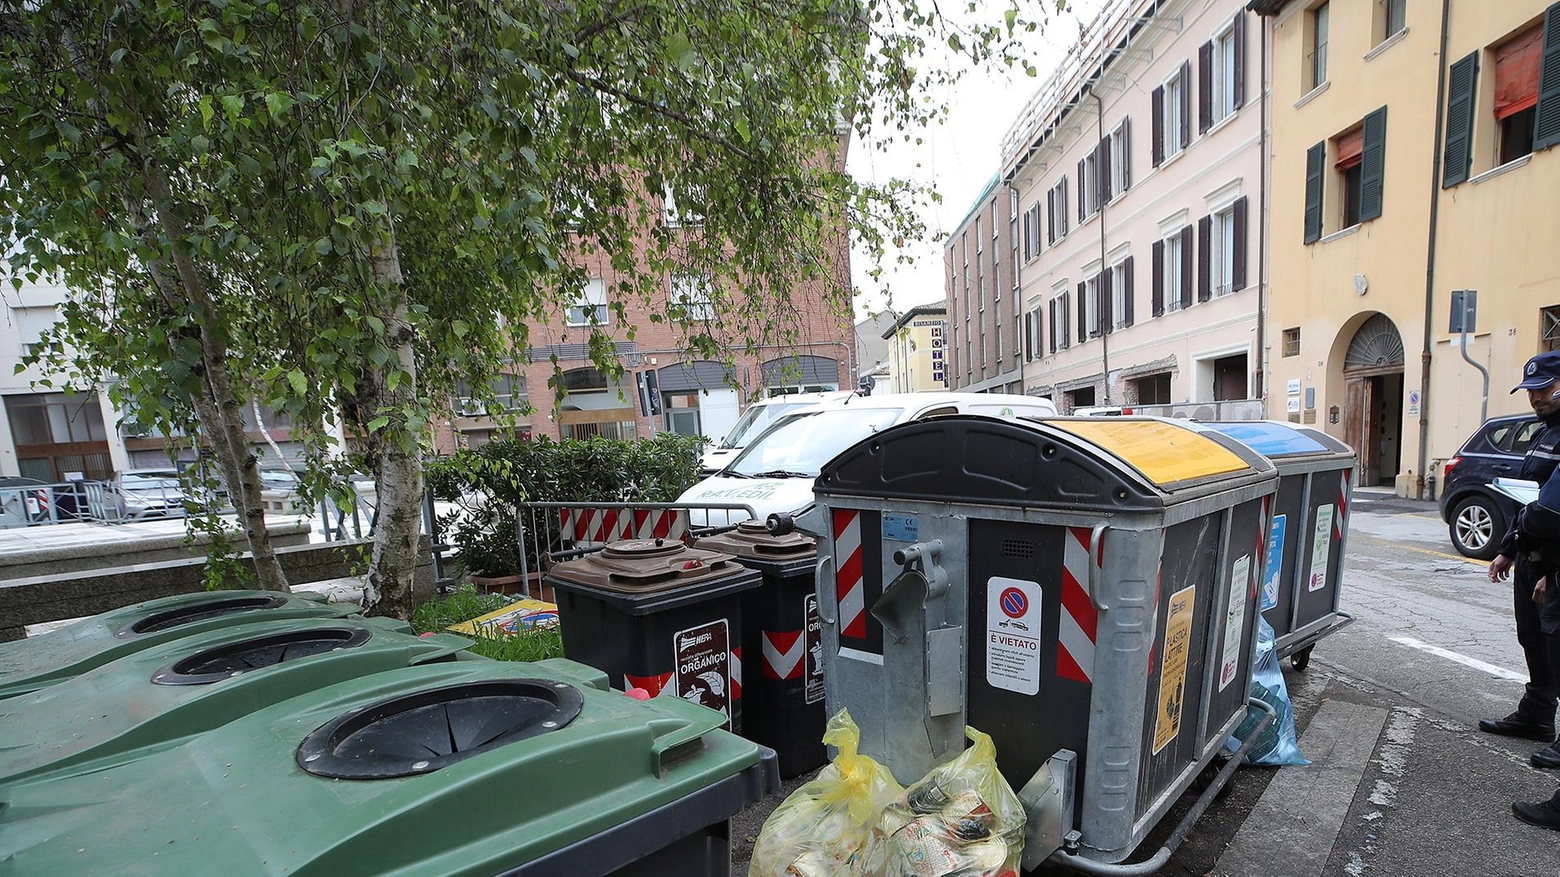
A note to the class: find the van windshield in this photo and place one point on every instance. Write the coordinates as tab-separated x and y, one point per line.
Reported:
798	446
753	421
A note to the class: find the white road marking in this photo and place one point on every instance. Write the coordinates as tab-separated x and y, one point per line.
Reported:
1475	663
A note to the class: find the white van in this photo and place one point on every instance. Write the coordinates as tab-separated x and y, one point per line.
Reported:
775	471
754	420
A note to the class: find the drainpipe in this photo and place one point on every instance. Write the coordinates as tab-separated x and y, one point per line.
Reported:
1099	122
1435	208
1262	228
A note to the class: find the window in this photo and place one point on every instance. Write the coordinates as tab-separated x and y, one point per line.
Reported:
590	308
1061	323
1089	308
1388	20
1120	283
1119	147
1517	65
1359	164
509	394
1173	272
30	324
1318	20
1172	103
1032	228
1088	185
1056	211
692	298
1221	89
1151	389
1033	340
680	215
1222	255
1083	397
1292	342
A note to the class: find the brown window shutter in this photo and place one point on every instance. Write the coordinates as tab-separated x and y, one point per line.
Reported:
1186	104
1050	213
1158	147
1204	258
1238	98
1107	308
1204	87
1238	270
1102	161
1126	296
1083	314
1157	305
1126	152
1081	191
1186	267
1061	207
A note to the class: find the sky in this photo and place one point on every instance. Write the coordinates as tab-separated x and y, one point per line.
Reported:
958	157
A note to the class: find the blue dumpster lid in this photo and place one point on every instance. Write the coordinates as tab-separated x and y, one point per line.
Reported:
1273	439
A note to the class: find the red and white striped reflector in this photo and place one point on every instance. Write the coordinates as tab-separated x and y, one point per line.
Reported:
1076	633
848	580
783	651
615	525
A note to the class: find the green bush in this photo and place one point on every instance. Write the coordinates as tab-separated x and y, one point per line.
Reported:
490	484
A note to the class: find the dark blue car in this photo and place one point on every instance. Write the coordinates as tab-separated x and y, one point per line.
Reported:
1475	515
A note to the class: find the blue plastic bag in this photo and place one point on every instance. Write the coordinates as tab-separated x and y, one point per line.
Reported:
1276	746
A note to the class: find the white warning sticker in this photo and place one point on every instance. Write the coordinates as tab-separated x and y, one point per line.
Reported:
1013	635
1321	548
1235	620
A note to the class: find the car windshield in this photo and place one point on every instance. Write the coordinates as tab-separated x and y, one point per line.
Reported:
148	481
800	444
753	421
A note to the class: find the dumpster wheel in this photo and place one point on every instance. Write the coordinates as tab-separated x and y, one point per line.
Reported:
1208	775
1301	659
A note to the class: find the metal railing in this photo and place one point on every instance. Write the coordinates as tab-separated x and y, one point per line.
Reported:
36	505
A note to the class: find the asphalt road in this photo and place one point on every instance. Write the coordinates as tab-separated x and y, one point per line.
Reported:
1401	783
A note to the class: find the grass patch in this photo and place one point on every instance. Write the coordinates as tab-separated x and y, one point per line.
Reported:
465	604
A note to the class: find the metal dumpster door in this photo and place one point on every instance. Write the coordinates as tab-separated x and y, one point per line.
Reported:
1320	559
1031	642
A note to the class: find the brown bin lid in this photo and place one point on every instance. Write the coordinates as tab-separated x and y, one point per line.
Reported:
751	539
639	566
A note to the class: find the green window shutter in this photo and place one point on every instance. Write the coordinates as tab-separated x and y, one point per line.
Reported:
1373	165
1546	124
1315	166
1462	86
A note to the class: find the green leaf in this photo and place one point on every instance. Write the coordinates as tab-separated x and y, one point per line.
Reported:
278	103
378	423
682	52
461	328
206	111
234	104
299	383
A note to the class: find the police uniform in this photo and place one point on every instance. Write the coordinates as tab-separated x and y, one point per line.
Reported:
1538	539
1535	714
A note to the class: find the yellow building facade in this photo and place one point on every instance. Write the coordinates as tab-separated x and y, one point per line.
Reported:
1410	158
917	351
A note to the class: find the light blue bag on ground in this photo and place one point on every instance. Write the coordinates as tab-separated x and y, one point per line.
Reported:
1276	746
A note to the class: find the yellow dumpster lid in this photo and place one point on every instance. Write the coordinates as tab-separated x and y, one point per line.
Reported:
1163	451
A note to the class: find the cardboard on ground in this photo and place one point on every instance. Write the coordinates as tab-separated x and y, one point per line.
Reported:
522	615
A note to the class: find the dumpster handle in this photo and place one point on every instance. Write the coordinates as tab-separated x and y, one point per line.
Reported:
833	609
1096	536
1158	860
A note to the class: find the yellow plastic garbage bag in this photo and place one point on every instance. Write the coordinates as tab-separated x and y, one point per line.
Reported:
820	830
961	820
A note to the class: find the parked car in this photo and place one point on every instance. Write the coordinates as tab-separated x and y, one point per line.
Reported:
775	472
149	493
1476	516
754	420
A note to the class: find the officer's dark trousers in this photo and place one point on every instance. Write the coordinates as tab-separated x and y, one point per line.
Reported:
1543	687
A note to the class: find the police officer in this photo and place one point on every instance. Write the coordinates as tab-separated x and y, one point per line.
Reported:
1534	717
1538	538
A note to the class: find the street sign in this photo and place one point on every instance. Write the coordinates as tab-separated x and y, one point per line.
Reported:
1464	310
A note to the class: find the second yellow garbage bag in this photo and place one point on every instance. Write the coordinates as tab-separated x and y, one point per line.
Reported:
961	819
823	827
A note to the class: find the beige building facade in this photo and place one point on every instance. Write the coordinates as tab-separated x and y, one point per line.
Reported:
1134	179
1411	159
917	351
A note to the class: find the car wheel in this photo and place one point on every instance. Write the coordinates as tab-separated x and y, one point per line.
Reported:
1476	527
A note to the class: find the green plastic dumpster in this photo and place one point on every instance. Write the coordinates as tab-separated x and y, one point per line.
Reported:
30	664
1302	579
462	769
1081	589
175	689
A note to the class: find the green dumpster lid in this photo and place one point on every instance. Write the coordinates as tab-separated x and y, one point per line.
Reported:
237	795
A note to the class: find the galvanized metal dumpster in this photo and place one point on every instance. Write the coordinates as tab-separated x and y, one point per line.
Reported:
1304	570
1083	590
